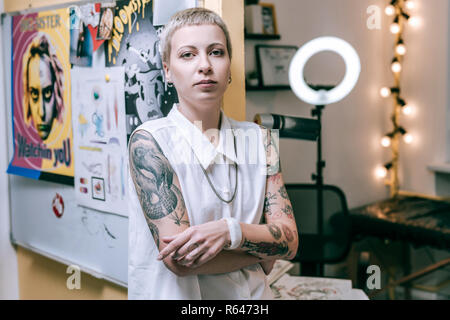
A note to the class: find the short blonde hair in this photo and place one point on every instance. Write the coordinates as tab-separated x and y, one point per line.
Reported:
190	17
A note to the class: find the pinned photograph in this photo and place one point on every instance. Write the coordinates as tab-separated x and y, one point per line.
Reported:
106	23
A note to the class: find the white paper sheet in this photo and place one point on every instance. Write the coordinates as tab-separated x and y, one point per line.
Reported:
100	145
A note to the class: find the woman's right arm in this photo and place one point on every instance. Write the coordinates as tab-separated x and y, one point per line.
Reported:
159	192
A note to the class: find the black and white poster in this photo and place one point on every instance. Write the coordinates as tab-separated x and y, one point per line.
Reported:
134	45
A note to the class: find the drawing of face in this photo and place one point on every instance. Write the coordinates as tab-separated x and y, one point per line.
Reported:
42	100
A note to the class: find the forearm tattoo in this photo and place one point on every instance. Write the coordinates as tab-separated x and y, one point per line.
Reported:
275	231
267	203
153	177
155	232
267	248
288	211
288	233
283	192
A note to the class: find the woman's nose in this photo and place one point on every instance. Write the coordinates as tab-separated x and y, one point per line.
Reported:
204	65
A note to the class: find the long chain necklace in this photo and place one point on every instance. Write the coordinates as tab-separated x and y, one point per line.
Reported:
211	184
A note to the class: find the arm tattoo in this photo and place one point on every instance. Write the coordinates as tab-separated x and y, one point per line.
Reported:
155	232
271	142
283	192
288	233
288	211
178	214
267	203
274	231
267	248
153	177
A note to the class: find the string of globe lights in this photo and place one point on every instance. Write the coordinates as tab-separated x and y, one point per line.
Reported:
389	171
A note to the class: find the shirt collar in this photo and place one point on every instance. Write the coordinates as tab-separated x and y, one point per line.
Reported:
201	146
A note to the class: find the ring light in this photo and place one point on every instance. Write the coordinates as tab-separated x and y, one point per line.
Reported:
323	97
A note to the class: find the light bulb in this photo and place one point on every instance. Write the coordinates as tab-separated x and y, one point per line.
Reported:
395	28
414	22
386	142
400	49
407	110
390	10
381	172
410	5
408	138
385	92
396	67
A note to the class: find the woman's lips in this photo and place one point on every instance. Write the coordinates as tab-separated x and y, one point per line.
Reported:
206	84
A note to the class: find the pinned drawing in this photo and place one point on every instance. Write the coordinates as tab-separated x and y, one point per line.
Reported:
101	146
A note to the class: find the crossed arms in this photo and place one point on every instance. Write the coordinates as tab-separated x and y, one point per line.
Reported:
191	250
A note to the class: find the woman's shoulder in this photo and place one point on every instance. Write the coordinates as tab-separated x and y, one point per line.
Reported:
155	125
244	125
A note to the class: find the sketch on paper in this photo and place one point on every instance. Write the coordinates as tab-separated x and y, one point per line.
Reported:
100	138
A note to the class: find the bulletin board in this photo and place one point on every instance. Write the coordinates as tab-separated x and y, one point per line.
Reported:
50	216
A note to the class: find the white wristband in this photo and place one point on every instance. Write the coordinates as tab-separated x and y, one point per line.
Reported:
235	233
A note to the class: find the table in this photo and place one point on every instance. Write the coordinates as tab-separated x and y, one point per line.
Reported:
414	220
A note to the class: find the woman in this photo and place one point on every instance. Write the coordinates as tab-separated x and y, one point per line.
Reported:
197	193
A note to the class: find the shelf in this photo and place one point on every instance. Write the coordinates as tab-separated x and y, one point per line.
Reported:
439	167
256	36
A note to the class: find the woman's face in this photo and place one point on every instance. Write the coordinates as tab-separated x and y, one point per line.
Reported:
42	98
199	64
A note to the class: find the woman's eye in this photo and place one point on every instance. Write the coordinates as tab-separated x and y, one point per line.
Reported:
217	52
187	55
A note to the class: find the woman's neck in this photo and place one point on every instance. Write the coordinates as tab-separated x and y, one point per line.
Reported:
205	117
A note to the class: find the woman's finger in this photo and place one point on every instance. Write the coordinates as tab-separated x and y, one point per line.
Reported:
169	238
193	254
208	255
180	240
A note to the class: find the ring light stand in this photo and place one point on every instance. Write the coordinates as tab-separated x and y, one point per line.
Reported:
320	96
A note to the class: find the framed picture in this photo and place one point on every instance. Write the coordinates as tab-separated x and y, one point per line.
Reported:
98	188
273	64
269	20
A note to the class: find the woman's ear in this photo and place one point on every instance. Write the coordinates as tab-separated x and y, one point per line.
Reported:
166	72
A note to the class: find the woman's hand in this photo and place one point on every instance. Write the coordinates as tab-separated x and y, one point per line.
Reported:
197	244
267	266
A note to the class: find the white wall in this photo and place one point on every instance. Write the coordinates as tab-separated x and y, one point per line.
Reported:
9	288
425	84
353	127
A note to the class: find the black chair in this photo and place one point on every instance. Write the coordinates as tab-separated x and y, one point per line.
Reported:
323	224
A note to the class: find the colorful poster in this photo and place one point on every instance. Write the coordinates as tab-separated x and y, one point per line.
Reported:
100	141
134	45
83	33
42	125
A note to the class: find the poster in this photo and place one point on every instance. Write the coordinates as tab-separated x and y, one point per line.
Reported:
100	144
84	27
42	126
134	45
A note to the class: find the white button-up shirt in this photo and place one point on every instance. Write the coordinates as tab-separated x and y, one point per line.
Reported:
186	147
